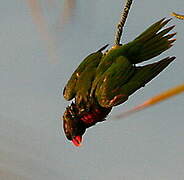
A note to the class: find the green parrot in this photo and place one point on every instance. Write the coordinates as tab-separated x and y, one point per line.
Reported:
105	80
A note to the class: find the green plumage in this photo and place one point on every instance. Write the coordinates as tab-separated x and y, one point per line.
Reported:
109	79
78	77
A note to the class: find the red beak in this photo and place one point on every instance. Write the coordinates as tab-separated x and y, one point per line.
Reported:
77	140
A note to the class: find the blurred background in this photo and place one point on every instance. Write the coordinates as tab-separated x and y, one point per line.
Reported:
41	44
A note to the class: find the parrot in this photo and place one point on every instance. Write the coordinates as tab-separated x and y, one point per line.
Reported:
105	80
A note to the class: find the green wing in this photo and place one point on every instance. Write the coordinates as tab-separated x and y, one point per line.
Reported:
116	87
82	76
113	79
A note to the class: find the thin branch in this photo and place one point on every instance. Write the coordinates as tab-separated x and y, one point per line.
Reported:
179	16
154	100
122	22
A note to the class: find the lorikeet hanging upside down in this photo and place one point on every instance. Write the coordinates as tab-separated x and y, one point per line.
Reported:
103	81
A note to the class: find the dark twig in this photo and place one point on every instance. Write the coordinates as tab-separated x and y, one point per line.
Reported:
122	22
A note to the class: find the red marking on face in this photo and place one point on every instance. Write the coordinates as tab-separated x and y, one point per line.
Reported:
89	117
77	140
94	116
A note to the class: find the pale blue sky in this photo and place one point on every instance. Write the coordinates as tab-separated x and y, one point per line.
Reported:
145	146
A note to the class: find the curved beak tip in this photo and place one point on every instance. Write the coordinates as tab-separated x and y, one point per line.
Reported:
77	141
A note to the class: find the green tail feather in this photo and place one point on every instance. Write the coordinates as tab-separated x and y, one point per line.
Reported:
145	74
150	43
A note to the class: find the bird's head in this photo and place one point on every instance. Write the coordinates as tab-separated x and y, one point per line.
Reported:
77	119
73	126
